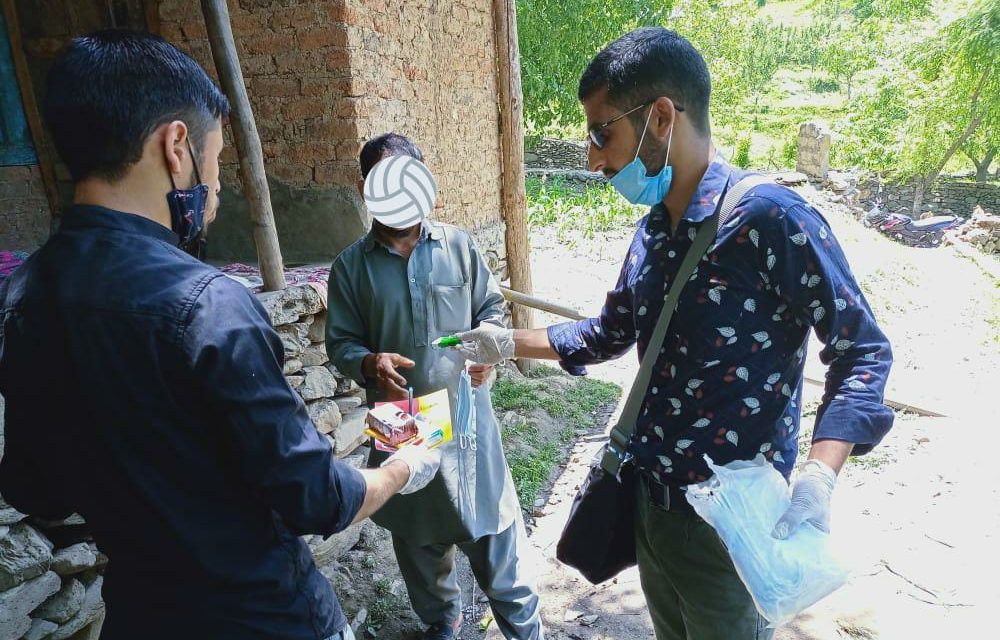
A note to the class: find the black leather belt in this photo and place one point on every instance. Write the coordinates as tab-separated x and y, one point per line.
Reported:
669	497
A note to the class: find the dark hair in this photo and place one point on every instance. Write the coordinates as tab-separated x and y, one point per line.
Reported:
387	144
108	91
648	63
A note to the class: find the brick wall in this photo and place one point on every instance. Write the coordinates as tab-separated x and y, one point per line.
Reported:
24	209
325	75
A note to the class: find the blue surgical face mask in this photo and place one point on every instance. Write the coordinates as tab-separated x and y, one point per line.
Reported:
187	208
632	181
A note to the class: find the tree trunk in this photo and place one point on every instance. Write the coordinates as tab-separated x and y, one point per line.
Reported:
258	195
983	168
918	198
974	122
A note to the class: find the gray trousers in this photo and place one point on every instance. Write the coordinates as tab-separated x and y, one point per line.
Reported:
501	572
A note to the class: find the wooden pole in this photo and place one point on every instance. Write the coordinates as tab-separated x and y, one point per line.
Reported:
518	298
31	111
512	197
227	63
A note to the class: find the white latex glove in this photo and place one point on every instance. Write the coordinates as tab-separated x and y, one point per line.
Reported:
811	496
423	464
487	344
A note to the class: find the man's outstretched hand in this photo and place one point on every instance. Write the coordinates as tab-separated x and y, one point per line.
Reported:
382	367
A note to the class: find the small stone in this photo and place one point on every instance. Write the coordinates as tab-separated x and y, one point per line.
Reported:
40	629
24	555
314	356
64	604
91	609
539	503
325	414
294	338
348	403
346	386
295	381
319	383
589	621
17	603
351	432
571	615
9	515
73	559
292	365
317	330
290	304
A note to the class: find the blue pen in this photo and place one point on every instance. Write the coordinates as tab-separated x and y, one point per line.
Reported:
409	400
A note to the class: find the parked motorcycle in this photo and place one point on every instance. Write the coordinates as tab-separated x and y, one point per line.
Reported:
927	233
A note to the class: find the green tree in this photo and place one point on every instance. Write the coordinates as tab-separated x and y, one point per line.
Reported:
982	148
558	38
957	92
849	53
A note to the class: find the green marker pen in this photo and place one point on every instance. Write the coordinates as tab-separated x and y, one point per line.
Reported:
445	342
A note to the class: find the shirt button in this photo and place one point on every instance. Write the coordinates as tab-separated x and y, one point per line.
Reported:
413	279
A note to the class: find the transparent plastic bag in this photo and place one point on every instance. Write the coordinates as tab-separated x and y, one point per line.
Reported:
743	501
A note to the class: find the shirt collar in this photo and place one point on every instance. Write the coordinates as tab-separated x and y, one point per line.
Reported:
90	216
428	229
706	197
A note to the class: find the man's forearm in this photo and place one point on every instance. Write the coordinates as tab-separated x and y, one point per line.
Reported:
833	453
534	344
382	484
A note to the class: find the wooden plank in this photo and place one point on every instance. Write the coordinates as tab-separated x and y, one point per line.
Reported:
255	189
895	403
39	137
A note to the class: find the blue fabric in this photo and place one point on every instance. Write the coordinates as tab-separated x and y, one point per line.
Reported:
144	390
728	383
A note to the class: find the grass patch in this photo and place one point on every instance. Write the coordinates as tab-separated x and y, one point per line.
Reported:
531	471
384	605
514	395
533	453
573	210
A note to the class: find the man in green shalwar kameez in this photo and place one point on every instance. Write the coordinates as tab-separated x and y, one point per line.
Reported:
391	294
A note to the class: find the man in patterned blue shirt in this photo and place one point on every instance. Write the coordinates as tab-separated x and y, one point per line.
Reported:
728	381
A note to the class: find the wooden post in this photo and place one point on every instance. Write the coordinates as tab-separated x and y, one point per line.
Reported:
512	198
31	112
227	63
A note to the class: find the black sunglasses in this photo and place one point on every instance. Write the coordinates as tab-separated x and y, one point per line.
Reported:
596	133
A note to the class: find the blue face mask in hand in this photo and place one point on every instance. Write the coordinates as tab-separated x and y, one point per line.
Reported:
632	181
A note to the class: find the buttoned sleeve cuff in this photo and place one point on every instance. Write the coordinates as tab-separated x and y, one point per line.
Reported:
862	422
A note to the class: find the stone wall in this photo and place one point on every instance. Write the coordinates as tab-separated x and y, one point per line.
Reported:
50	579
948	196
24	209
552	153
50	573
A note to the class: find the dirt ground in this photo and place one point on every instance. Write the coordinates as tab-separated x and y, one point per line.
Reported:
918	519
